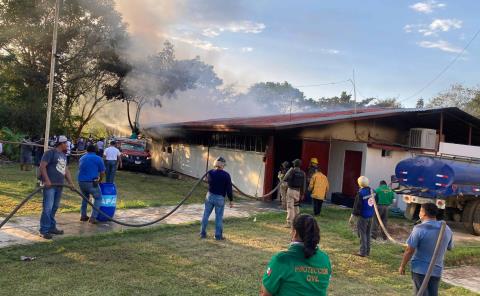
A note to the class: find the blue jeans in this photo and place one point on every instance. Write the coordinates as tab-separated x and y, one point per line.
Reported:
88	189
51	201
110	170
433	283
217	202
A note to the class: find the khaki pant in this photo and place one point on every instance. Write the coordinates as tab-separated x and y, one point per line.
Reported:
293	209
283	194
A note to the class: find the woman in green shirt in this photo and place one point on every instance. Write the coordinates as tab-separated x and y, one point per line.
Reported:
301	270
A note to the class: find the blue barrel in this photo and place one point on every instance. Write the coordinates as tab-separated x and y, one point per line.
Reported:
109	201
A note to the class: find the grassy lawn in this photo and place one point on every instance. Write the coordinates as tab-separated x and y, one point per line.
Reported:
135	190
171	260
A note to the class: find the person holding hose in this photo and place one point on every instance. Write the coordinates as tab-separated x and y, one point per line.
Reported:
385	198
53	170
91	171
296	188
420	248
363	211
318	187
283	184
219	186
301	270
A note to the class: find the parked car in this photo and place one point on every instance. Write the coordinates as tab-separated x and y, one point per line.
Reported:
135	155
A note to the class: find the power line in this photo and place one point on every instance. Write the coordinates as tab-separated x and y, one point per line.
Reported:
445	69
323	84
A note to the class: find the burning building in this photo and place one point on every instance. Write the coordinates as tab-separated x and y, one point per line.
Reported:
346	143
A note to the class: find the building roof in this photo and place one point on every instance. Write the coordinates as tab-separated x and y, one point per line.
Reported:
296	120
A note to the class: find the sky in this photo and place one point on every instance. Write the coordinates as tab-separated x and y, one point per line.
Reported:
395	47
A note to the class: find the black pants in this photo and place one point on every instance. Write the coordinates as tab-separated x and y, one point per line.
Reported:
433	283
364	228
317	206
377	229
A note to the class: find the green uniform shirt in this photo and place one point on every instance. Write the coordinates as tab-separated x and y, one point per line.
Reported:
290	273
385	195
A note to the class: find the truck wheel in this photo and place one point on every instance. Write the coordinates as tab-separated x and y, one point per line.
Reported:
476	220
412	211
471	211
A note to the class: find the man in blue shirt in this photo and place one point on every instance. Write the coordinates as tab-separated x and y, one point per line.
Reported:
219	186
363	211
421	245
91	171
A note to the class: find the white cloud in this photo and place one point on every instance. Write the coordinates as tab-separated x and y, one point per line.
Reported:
247	49
427	6
198	43
234	27
437	25
440	44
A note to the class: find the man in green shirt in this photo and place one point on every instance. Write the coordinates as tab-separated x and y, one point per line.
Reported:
303	269
385	197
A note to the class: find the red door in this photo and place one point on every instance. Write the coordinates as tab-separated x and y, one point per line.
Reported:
352	168
320	150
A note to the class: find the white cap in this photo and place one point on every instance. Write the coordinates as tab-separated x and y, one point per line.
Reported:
61	140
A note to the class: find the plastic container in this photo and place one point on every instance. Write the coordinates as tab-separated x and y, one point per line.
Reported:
109	201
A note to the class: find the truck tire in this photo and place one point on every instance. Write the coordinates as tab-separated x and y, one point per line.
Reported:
469	213
412	211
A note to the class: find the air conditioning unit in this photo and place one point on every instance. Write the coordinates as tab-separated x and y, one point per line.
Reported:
423	138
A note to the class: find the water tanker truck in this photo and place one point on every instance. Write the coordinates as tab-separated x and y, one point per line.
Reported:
452	183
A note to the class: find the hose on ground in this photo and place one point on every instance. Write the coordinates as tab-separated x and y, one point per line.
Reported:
34	144
436	252
185	198
19	206
379	219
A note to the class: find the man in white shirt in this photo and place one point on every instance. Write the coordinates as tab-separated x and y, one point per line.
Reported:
113	159
1	148
100	147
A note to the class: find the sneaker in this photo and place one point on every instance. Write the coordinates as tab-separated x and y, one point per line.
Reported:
84	218
360	255
220	238
56	231
46	235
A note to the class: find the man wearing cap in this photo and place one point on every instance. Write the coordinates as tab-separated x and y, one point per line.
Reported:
318	187
363	210
219	186
53	170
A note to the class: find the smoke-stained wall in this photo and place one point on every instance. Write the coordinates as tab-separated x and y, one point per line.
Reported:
246	168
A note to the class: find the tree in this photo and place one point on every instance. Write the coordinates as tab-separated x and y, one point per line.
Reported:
420	104
387	103
89	32
159	77
467	99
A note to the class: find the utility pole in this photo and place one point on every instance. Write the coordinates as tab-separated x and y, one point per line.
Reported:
52	76
354	93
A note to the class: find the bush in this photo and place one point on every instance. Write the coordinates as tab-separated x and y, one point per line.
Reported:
11	151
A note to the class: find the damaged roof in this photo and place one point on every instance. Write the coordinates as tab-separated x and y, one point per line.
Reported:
295	120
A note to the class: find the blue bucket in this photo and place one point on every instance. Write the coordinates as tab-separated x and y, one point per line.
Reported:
109	201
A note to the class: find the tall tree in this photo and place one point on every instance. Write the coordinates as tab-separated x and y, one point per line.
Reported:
89	32
420	104
465	98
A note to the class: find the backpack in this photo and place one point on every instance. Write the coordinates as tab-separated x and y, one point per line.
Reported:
297	179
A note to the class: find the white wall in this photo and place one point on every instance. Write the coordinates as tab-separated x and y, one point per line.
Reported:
245	167
336	162
380	168
460	150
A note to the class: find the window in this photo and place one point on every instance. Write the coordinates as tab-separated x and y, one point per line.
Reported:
386	153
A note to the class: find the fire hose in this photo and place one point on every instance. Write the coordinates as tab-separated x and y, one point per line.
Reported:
287	174
379	219
185	198
38	145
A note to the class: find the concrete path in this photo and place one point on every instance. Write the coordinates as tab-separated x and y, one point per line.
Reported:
24	230
467	277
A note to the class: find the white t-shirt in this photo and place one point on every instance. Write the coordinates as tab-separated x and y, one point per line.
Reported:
111	153
1	148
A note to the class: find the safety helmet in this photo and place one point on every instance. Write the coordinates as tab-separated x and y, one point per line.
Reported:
314	161
220	162
297	163
363	181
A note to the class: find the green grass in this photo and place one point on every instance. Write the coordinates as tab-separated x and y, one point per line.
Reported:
135	190
171	260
